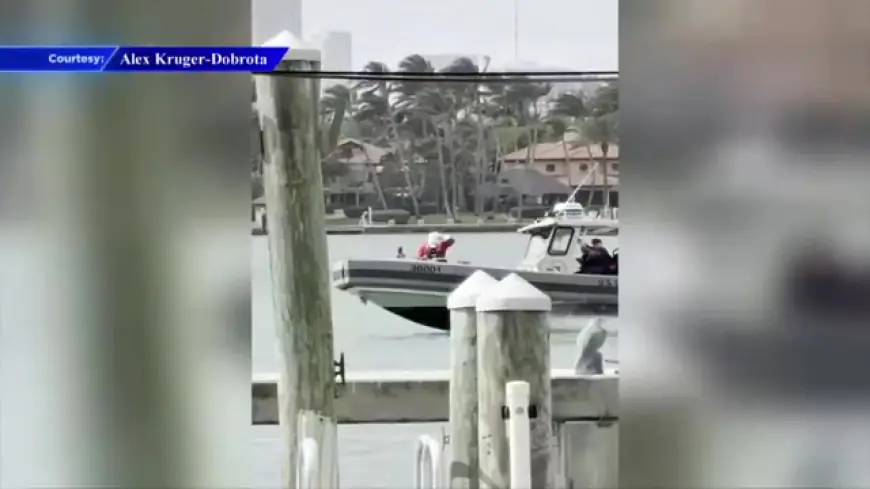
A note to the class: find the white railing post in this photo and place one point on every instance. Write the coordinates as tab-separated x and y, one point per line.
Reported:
428	465
519	434
307	465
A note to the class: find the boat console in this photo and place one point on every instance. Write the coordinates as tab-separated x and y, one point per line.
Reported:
555	242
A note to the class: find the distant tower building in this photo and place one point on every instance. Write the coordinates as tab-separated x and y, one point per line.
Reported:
269	17
337	52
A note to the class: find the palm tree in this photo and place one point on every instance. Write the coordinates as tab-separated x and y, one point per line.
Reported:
567	114
593	119
468	126
602	131
414	120
606	99
337	119
375	106
601	128
517	103
433	107
334	106
456	129
424	108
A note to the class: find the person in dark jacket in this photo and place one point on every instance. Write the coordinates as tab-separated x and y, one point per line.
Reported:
614	265
595	259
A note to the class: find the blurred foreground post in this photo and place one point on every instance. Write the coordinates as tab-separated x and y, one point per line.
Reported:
288	109
464	469
513	344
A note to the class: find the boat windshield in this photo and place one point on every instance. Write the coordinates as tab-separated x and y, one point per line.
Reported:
537	247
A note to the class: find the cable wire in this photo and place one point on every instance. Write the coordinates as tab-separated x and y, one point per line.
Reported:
479	77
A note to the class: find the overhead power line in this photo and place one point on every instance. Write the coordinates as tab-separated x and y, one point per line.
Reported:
480	77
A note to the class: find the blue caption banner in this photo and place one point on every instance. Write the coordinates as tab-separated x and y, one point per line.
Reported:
96	59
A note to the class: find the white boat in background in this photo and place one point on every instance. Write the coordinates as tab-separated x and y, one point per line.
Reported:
417	290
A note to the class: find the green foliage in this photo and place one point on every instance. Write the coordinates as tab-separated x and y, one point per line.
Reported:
446	136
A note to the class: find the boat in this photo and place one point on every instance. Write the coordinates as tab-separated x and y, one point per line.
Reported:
417	290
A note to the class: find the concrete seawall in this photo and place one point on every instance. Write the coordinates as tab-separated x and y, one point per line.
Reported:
416	228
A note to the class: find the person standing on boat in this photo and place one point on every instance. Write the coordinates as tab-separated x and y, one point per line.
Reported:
435	247
443	245
595	259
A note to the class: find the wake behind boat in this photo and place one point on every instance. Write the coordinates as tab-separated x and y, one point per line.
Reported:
417	290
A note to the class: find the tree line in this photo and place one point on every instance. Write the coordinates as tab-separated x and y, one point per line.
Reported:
447	138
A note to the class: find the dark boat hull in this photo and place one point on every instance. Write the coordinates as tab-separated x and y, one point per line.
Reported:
418	291
439	317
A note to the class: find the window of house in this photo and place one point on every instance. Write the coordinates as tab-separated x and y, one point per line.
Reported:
615	166
584	167
551	168
561	241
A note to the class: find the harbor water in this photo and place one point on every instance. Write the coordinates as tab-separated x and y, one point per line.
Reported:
373	339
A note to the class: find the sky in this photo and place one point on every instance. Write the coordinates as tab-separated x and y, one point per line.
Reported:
574	34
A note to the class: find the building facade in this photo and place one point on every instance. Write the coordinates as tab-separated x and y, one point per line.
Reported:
269	17
337	54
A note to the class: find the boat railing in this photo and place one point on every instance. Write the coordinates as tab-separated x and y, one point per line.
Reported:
366	219
307	464
610	213
605	213
429	467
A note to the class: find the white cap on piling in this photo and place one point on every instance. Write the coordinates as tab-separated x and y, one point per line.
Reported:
299	49
513	293
517	393
465	296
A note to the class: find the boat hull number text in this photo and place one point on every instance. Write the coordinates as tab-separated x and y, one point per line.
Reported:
608	283
426	268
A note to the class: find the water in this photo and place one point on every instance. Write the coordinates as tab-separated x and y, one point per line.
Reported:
377	456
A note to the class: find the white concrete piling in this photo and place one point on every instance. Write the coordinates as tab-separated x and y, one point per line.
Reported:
288	113
464	467
513	345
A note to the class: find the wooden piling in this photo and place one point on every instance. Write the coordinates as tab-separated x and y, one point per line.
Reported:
513	344
288	112
463	473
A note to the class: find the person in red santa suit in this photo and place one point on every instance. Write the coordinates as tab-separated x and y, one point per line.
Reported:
435	247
